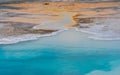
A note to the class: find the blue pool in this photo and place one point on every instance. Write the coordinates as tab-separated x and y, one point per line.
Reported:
67	53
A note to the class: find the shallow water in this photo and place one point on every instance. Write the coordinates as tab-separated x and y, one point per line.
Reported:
67	53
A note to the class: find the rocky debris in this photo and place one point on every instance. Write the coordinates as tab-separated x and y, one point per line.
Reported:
40	31
83	22
17	28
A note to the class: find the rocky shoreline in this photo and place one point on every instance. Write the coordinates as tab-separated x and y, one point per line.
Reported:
21	19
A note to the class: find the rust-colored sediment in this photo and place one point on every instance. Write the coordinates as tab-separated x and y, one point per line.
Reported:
37	13
56	8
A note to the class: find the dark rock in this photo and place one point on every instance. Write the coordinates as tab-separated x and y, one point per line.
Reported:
85	20
46	3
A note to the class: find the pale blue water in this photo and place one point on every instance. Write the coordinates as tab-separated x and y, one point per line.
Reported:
67	53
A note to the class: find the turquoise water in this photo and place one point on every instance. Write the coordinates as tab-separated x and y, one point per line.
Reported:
67	53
